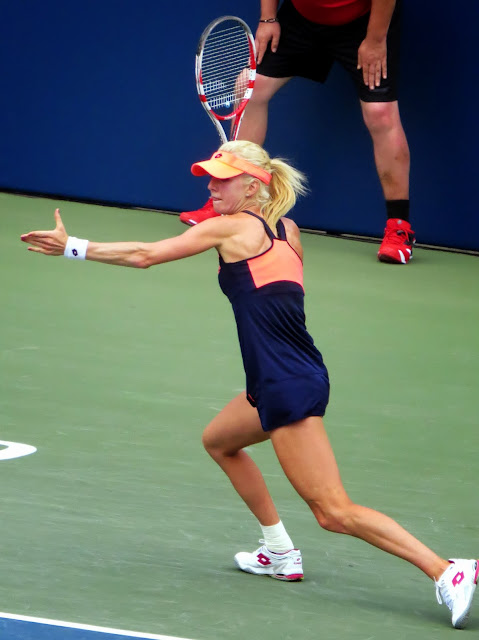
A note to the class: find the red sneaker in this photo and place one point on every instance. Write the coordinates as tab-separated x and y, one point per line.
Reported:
397	243
194	217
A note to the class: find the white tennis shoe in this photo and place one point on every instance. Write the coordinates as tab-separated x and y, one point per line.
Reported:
456	587
263	562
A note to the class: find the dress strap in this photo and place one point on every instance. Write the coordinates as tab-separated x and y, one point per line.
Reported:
269	233
281	229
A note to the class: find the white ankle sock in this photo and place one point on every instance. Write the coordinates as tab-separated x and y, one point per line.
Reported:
276	538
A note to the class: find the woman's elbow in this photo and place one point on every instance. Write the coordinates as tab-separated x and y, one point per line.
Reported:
144	260
147	256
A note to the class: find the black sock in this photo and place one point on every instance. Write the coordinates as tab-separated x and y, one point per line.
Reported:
398	209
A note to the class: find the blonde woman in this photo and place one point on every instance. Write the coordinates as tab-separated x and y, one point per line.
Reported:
287	386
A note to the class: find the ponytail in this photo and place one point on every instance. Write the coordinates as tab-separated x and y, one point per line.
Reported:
287	183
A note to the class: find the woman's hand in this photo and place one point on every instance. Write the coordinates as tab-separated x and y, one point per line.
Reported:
50	243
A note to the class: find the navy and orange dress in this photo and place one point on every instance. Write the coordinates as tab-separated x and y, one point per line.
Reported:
286	378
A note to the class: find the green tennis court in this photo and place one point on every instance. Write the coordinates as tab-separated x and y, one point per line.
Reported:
121	520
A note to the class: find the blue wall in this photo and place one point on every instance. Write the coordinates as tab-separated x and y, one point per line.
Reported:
99	102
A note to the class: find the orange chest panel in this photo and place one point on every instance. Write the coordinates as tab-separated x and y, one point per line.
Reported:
279	263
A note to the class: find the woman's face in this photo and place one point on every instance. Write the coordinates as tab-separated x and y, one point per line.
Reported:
231	195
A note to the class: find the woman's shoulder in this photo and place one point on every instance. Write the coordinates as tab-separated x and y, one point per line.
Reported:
292	230
290	225
293	235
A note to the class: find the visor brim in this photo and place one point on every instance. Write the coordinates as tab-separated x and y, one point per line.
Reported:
215	169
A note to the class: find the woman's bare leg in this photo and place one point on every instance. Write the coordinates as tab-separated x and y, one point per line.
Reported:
238	426
307	458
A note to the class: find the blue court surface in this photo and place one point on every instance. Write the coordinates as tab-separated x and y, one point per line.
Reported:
14	627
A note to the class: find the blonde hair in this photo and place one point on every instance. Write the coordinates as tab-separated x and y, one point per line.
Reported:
287	183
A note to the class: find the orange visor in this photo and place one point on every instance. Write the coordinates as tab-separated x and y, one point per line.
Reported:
223	165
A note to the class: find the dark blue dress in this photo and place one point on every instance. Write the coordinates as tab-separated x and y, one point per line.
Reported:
286	378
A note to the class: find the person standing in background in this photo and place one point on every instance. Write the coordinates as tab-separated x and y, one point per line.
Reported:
304	38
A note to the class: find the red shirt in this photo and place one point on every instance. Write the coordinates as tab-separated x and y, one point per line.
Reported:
332	12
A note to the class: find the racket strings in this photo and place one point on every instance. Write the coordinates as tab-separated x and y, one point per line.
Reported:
225	67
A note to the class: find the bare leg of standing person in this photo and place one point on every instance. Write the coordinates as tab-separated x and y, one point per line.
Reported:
255	120
253	128
392	158
391	150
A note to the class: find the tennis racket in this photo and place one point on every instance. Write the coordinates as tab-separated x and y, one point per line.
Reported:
225	72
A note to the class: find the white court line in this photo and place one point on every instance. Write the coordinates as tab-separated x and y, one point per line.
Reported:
15	450
88	627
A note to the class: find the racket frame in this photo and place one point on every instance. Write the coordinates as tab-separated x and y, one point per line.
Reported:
238	112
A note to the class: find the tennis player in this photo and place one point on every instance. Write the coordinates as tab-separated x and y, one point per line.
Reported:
287	386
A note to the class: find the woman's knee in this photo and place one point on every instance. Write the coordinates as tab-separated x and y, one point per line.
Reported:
215	443
337	518
210	440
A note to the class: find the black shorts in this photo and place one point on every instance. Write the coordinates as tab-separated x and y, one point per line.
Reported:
283	402
308	50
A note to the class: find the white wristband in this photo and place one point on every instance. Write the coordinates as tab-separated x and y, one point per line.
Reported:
75	248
